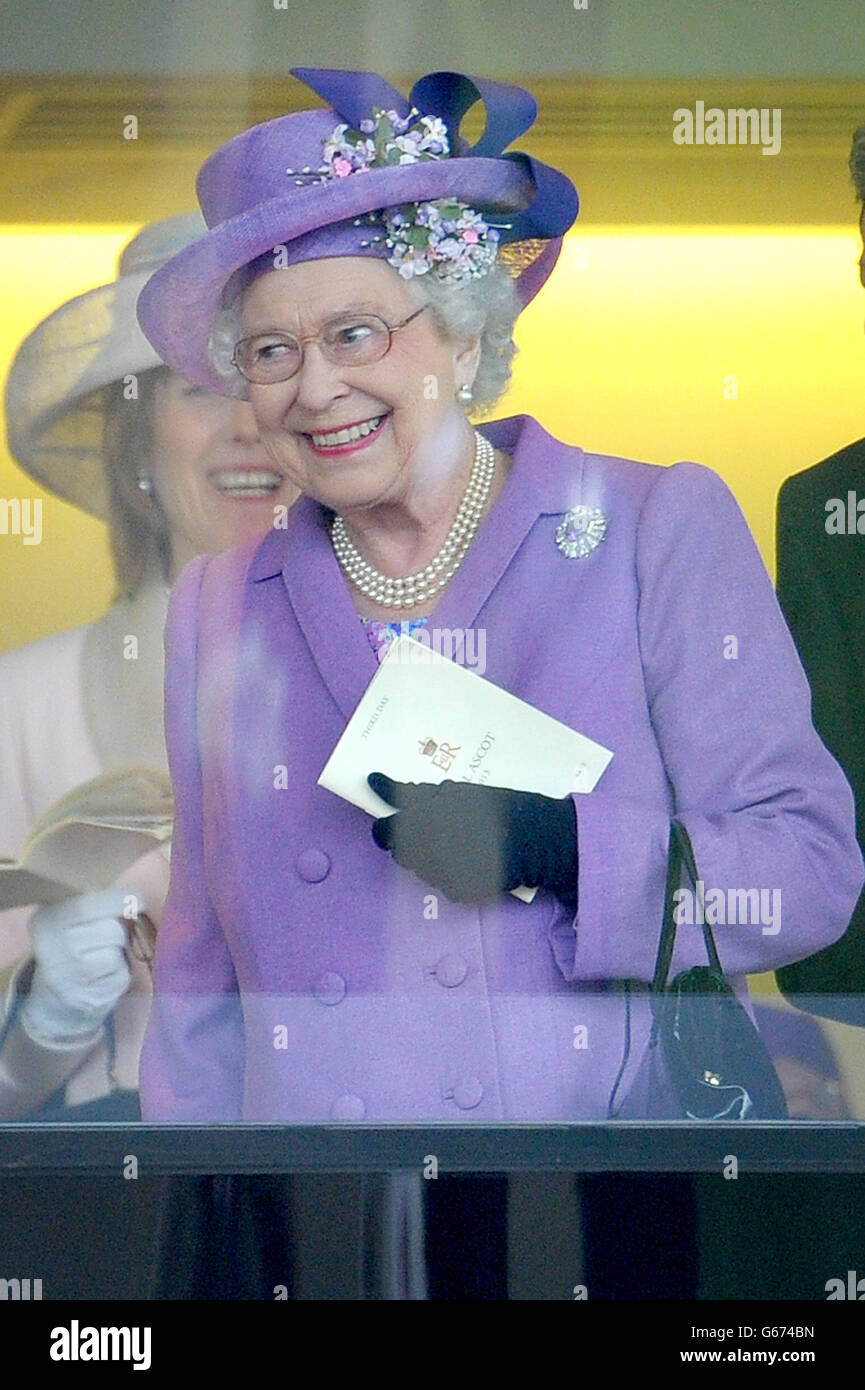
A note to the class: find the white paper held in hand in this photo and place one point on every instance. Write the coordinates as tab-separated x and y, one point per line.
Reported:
424	718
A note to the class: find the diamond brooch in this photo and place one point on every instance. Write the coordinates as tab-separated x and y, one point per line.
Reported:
581	531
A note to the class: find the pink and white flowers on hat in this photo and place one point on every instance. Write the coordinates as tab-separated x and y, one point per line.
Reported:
445	236
384	140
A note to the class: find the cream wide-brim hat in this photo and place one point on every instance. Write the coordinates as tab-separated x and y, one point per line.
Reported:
54	399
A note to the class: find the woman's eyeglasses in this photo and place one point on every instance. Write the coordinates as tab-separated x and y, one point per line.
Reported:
356	340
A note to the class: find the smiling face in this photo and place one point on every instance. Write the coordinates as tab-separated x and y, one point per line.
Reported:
211	473
355	437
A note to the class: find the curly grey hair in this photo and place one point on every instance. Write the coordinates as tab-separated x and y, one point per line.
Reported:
856	163
485	307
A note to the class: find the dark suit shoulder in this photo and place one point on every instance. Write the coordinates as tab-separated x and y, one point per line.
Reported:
832	477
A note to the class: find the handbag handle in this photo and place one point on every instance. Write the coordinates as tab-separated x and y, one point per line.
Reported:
680	854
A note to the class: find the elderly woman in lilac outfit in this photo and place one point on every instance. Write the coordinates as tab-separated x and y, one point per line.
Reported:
359	283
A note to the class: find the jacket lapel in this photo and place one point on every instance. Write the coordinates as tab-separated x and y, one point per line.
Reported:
540	483
320	599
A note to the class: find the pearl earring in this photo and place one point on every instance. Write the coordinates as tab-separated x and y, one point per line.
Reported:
145	484
464	395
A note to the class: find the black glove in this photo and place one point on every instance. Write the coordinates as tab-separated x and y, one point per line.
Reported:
474	842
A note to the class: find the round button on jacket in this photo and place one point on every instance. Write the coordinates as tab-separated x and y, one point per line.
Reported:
468	1093
348	1107
313	865
330	988
451	970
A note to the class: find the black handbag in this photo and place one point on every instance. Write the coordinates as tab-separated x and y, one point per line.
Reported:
716	1062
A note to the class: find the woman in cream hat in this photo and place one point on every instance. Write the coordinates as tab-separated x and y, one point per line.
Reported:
94	416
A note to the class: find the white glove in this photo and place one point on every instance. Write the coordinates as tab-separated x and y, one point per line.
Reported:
81	969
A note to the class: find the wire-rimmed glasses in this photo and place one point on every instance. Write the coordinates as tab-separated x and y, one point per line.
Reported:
352	340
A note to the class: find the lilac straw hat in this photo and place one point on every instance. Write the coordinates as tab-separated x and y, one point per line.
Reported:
295	185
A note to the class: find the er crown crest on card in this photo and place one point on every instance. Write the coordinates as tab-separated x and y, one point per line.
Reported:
442	754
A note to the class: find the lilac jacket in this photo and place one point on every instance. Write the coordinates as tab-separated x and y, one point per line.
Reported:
302	975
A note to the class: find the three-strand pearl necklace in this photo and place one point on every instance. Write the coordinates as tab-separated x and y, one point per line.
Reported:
417	588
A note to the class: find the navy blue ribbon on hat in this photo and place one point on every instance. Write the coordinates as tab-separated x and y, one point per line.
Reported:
509	112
